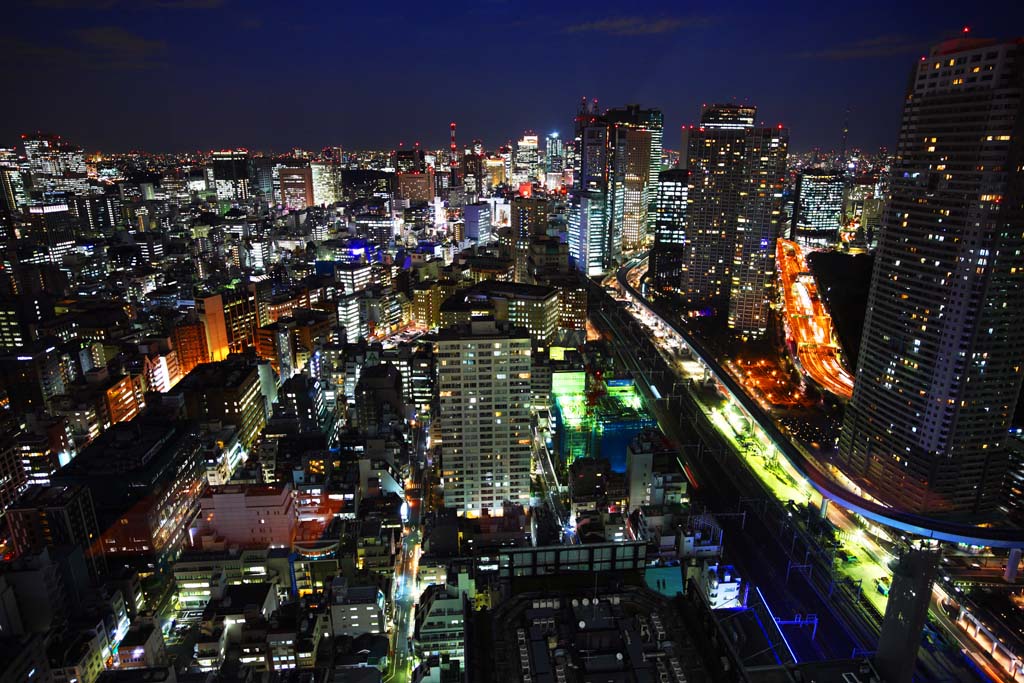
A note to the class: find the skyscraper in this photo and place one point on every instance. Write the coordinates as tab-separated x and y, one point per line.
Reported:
484	388
669	250
231	174
941	353
819	208
296	187
591	246
55	165
737	171
652	121
326	180
554	153
527	155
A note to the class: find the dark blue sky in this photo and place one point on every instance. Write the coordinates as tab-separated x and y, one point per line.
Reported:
169	75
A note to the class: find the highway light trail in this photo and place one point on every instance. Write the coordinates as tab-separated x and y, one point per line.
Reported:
808	324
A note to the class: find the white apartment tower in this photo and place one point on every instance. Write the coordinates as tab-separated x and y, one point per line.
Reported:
484	392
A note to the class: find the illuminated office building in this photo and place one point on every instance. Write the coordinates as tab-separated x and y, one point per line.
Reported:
737	172
608	207
326	179
231	174
669	250
484	401
819	208
554	153
296	187
527	157
940	360
54	164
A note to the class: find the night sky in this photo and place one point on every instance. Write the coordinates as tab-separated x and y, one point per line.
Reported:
173	75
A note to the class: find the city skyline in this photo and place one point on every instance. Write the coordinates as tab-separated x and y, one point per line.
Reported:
179	76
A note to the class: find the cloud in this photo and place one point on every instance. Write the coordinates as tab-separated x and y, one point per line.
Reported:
637	26
888	45
98	47
103	5
116	42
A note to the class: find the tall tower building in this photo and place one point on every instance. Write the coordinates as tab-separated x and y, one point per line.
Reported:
326	180
231	174
296	187
527	156
818	209
652	121
554	153
484	393
941	353
55	165
608	210
737	172
590	243
529	218
669	250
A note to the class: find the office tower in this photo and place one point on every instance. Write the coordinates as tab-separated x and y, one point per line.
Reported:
939	369
13	192
818	209
737	172
524	167
608	210
188	337
296	184
410	160
591	246
261	177
54	516
478	223
54	164
326	179
228	391
529	218
52	226
669	250
417	186
653	122
231	174
554	153
484	399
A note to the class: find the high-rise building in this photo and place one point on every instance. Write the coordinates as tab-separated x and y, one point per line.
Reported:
227	391
326	179
484	390
231	174
669	250
608	210
296	187
529	218
261	176
939	370
54	164
478	223
651	122
57	515
737	172
527	156
417	186
819	208
554	153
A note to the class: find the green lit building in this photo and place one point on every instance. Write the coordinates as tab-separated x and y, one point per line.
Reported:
596	417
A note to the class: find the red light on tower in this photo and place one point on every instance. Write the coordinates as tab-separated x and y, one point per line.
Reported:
967	29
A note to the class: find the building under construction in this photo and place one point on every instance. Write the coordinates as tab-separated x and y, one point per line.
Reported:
596	417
